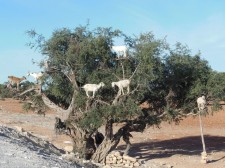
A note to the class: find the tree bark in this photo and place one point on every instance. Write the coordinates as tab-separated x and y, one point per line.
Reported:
83	142
109	145
59	110
201	131
109	129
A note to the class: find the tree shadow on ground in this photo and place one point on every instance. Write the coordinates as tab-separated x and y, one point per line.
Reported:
191	145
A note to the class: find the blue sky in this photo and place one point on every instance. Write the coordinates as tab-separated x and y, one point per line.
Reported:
200	24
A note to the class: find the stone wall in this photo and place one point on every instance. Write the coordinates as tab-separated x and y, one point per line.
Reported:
116	159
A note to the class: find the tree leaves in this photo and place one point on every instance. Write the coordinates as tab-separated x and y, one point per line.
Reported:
85	56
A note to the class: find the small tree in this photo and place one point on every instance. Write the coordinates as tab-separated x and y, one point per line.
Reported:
168	80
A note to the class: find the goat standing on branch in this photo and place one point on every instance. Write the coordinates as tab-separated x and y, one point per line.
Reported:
201	101
120	50
125	83
37	76
92	88
122	84
15	80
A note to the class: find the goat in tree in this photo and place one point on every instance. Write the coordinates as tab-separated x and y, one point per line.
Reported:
92	88
201	101
37	76
120	50
125	83
15	80
49	68
122	84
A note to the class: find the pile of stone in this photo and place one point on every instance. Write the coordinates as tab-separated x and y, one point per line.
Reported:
116	159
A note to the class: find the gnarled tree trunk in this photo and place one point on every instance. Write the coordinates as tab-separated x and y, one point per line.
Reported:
84	144
57	109
109	145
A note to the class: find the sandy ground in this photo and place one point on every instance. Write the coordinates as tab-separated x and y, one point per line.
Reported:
177	146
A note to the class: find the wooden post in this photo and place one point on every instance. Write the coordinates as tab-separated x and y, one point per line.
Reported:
204	153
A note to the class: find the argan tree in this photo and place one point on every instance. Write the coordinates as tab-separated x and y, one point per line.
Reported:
168	80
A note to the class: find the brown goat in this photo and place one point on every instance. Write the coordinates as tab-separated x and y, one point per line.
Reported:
15	80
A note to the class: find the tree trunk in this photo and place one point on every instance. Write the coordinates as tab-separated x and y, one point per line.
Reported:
105	148
109	130
102	151
109	145
83	142
128	146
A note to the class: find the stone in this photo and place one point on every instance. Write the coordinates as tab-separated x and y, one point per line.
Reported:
203	161
117	153
129	158
69	157
204	154
67	142
128	162
136	164
108	162
114	161
126	165
119	157
114	158
120	161
68	148
19	129
119	165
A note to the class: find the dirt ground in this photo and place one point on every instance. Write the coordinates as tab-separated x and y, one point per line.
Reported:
177	146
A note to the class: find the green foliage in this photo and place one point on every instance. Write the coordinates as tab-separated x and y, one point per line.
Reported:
216	85
59	89
99	114
169	79
172	115
80	101
35	103
127	110
27	106
6	92
185	75
91	120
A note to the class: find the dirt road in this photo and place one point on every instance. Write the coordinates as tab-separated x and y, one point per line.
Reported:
177	146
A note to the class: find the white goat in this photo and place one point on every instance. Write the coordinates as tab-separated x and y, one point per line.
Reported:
92	88
120	50
201	101
122	84
37	76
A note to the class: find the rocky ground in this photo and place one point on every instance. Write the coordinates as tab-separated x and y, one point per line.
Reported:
18	151
177	146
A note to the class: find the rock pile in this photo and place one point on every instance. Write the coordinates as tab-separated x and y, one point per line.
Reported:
116	159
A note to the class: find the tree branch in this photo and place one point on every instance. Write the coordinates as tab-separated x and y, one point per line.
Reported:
123	70
134	71
56	108
116	76
115	101
102	102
